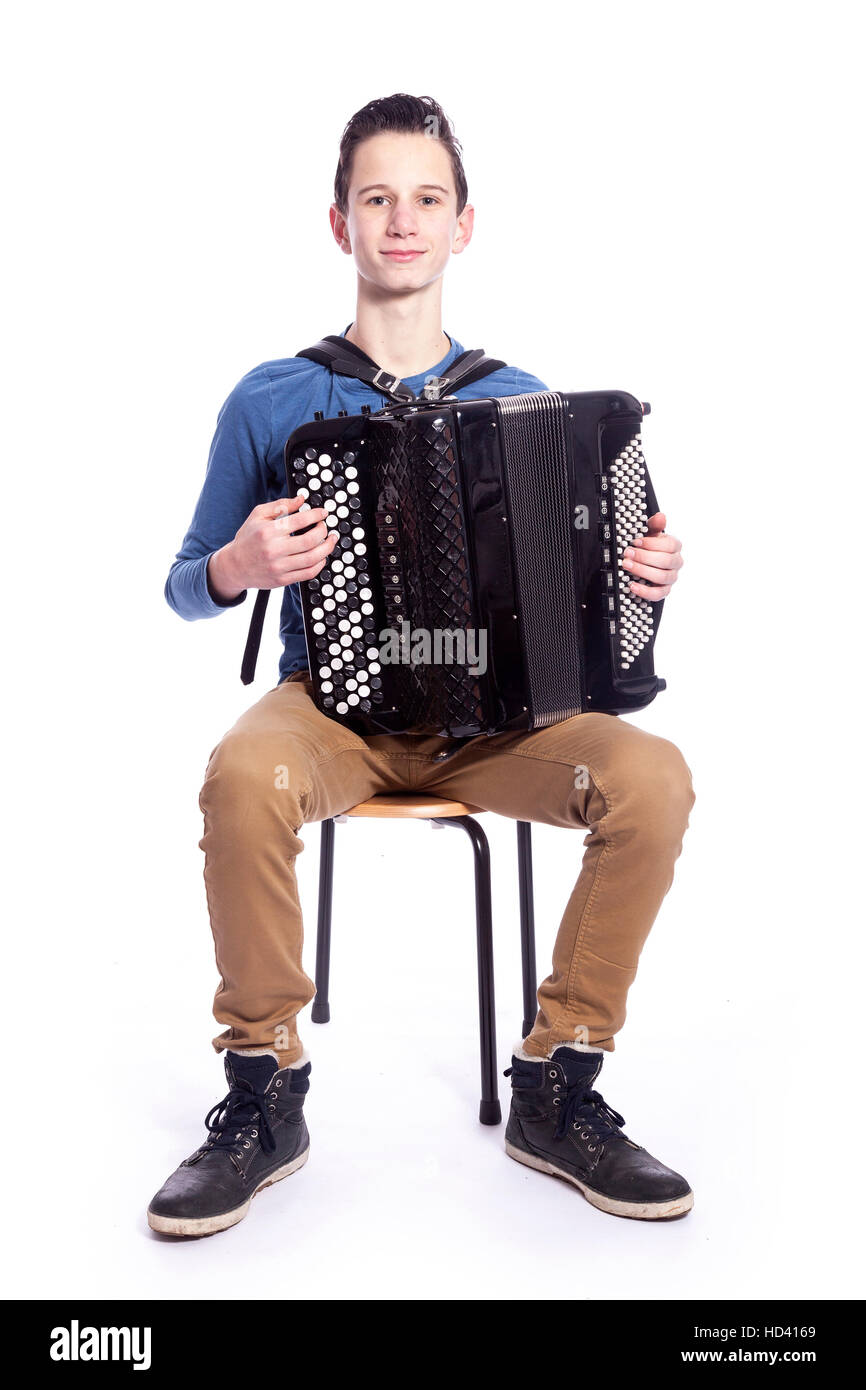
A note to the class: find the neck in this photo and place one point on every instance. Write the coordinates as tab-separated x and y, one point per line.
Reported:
404	336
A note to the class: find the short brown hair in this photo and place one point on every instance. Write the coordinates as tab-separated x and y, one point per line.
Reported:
421	115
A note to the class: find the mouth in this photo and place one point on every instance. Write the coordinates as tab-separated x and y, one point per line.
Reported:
402	255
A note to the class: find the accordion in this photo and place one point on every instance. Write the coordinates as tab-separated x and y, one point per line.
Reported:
477	585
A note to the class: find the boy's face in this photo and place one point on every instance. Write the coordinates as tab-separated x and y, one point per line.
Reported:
401	224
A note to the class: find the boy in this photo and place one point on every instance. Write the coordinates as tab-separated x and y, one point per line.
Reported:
401	210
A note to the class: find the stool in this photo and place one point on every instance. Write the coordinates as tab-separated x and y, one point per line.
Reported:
439	811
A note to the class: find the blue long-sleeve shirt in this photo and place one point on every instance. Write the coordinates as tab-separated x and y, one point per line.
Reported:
245	468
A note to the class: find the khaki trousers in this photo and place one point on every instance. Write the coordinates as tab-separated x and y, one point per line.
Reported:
284	764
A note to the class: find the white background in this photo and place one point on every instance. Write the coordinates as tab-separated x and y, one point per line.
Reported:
666	203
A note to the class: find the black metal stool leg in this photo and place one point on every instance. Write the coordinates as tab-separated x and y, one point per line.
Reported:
527	924
490	1112
321	1005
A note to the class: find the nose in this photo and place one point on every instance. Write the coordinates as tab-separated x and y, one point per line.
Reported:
402	221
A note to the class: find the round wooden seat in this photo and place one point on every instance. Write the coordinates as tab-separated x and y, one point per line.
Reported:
394	806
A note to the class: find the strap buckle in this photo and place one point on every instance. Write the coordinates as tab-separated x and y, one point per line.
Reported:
433	387
388	382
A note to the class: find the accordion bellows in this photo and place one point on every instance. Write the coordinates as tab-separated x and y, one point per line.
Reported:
477	584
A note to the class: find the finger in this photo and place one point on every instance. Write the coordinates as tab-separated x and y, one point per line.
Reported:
282	506
310	552
662	559
653	594
297	543
308	572
305	545
651	572
657	522
297	522
656	543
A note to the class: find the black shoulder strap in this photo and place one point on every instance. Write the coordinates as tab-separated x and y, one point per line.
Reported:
254	637
346	359
464	370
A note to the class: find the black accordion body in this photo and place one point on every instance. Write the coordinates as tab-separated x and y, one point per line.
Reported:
477	584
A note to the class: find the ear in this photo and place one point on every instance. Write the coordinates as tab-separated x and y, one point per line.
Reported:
340	229
464	229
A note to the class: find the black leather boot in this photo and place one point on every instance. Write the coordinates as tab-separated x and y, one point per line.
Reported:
256	1136
560	1125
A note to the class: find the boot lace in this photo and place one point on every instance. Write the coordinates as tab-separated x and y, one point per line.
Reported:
589	1112
236	1121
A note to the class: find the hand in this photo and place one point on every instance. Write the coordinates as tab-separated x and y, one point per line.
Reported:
267	551
654	557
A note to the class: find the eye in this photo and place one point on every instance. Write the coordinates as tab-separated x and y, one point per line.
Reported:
425	198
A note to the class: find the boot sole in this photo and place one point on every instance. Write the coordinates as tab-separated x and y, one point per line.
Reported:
208	1225
641	1211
